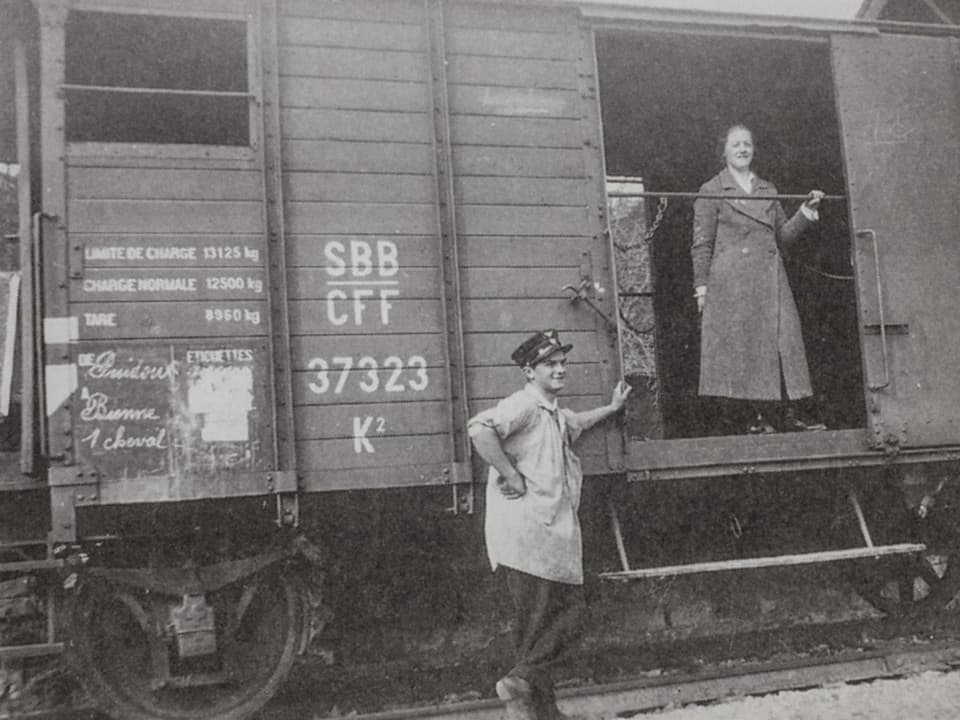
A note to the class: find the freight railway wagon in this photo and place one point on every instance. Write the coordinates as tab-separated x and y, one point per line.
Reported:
275	254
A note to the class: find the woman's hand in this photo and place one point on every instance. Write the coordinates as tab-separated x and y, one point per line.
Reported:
700	294
813	200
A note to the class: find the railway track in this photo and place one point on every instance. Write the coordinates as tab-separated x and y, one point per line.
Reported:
631	697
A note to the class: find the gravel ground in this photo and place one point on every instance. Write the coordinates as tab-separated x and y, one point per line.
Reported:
928	696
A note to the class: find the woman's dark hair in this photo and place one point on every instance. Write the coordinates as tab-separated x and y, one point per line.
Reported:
722	138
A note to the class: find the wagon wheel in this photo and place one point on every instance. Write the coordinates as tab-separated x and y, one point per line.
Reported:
928	582
259	626
925	583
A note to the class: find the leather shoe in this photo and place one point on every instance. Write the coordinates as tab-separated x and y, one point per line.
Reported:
517	696
793	423
558	715
511	687
760	426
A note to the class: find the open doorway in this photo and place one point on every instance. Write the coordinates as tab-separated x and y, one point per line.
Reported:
665	98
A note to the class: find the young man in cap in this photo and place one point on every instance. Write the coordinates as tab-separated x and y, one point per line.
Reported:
532	529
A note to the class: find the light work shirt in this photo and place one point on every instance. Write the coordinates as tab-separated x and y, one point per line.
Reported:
538	533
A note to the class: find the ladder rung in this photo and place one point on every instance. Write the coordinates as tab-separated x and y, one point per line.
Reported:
11	652
766	562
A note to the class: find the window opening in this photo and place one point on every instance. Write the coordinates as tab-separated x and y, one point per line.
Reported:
156	79
665	98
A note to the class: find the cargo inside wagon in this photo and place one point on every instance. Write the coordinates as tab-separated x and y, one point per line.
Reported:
666	98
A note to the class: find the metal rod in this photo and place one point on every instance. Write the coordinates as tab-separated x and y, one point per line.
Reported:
883	323
157	91
947	20
618	536
864	530
718	196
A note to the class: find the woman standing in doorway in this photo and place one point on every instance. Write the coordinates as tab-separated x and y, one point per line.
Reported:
751	350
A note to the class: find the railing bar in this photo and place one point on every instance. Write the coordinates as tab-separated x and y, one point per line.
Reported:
717	196
157	91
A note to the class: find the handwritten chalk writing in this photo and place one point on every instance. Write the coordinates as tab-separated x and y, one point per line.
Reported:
414	371
232	315
231	355
104	367
97	407
357	295
361	426
361	258
100	319
120	440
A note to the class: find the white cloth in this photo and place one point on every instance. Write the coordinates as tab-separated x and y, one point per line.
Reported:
538	533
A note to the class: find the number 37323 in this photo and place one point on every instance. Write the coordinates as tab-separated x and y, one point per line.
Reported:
392	375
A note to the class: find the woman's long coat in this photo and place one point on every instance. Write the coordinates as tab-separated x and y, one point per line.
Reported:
750	327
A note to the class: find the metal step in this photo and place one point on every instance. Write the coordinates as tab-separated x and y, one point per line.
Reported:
30	565
12	652
860	553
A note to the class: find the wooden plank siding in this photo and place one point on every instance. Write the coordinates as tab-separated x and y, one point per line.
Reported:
166	252
175	247
369	372
524	195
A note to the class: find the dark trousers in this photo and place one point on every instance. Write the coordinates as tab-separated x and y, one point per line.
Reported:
549	623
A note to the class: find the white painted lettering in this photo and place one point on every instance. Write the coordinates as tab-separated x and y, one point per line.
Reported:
167	284
387	255
334	252
385	304
230	355
109	252
359	305
171	253
361	256
361	426
98	285
100	319
332	315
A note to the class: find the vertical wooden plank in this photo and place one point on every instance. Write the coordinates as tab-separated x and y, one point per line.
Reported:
25	232
447	231
602	241
270	157
55	248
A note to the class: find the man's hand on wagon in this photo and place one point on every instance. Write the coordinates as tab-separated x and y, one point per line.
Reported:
512	486
620	394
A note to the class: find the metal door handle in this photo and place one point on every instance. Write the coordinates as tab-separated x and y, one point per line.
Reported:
883	325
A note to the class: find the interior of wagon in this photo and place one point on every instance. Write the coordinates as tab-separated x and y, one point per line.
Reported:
665	99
